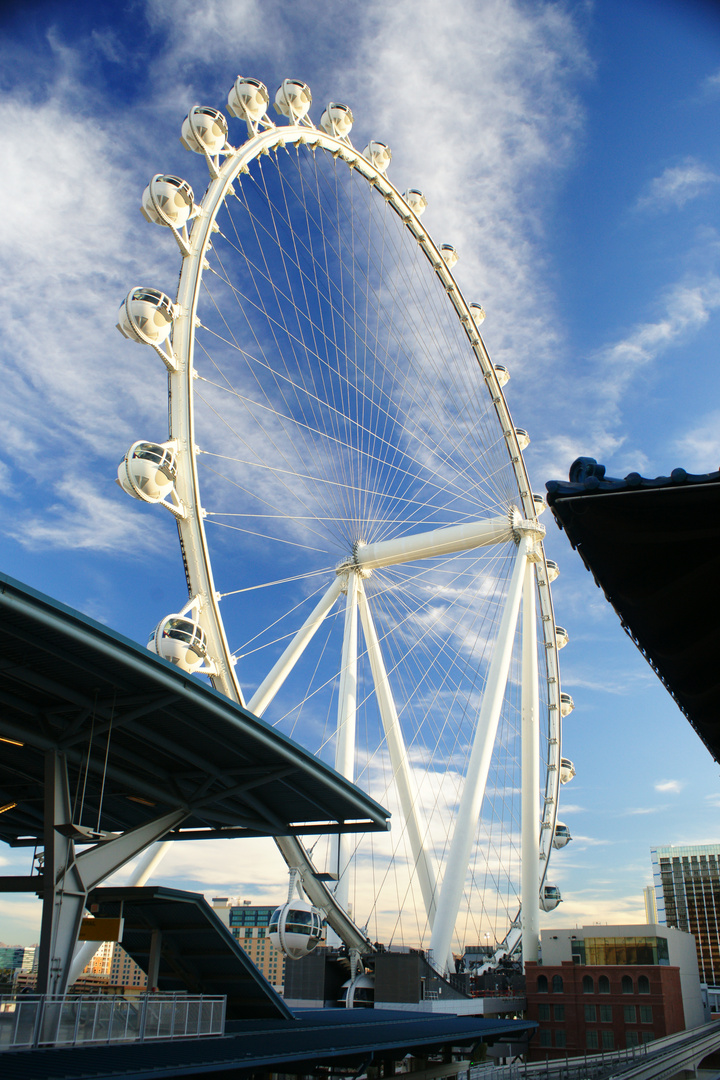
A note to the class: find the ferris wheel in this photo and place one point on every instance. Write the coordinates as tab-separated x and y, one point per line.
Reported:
363	554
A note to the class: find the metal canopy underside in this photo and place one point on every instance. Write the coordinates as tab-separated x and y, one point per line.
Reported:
142	737
651	546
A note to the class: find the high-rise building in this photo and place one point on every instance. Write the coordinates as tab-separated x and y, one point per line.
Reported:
249	924
113	963
687	894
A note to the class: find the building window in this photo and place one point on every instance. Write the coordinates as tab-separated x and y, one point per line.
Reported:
608	1040
588	984
590	1014
591	1040
560	1038
603	985
627	985
557	984
629	1014
606	1014
646	1014
647	1036
543	1012
632	1038
643	985
546	1038
558	1012
542	984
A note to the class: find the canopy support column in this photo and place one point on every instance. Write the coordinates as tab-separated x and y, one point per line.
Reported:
70	877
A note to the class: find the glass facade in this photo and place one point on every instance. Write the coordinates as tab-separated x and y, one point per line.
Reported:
250	916
687	895
626	950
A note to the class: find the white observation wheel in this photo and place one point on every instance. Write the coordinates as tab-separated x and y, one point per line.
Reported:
363	554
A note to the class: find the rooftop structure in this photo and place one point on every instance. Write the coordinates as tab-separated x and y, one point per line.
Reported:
650	545
88	712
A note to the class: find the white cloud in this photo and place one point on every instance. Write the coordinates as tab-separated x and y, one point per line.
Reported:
675	786
677	185
642	810
711	85
699	448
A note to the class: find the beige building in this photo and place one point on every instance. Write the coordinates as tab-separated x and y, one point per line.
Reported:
248	924
111	962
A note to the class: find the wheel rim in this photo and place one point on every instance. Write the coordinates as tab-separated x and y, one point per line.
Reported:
335	392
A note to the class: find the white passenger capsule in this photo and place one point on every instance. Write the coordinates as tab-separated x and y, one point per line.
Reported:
416	201
522	437
204	130
293	100
550	897
358	993
539	504
146	316
167	200
562	637
180	640
337	120
567	770
503	375
478	314
148	471
248	100
296	928
566	704
378	154
553	570
562	835
449	255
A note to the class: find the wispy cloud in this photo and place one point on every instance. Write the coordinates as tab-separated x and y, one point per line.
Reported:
637	811
675	786
677	185
699	448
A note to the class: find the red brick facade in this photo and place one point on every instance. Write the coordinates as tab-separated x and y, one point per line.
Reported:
586	1009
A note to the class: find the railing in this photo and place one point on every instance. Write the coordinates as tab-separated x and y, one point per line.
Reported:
33	1020
661	1057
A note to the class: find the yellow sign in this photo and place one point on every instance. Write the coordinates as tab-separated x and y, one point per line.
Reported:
101	930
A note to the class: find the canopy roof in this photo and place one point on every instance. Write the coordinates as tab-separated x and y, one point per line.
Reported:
651	545
141	737
198	954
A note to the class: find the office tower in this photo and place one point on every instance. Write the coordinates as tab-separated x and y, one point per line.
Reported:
687	893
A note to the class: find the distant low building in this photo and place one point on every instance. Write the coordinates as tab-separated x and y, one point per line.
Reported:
611	987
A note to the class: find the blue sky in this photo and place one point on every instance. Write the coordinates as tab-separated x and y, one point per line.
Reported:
569	151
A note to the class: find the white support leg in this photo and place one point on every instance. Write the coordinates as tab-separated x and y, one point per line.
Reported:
407	792
346	719
530	844
279	673
479	765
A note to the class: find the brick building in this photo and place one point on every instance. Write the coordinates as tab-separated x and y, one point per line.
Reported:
603	988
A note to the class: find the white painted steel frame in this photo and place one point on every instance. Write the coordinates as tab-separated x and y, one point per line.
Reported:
192	533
